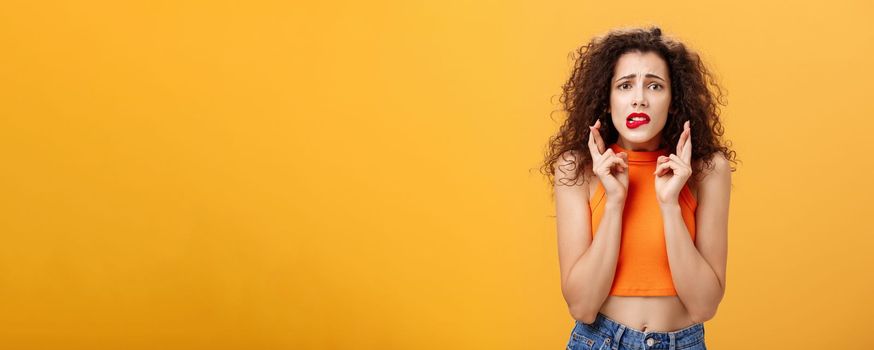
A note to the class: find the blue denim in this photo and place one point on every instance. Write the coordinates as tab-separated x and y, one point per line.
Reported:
608	334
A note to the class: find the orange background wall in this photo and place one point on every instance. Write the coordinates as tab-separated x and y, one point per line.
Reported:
276	175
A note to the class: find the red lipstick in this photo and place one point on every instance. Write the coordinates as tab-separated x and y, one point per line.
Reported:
635	120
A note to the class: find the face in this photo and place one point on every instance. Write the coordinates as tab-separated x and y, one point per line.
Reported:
641	84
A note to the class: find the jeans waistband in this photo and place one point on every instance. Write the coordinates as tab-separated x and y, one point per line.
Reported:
634	338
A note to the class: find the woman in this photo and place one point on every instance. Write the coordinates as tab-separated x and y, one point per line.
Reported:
641	184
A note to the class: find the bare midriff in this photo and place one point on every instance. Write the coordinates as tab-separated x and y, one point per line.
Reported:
646	313
649	313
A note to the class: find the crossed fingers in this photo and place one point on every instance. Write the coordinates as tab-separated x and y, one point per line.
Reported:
679	163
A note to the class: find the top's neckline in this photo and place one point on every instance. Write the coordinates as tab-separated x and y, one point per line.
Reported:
640	156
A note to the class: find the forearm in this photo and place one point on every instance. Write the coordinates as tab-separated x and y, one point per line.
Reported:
591	276
697	284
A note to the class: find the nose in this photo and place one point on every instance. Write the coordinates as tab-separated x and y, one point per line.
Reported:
639	98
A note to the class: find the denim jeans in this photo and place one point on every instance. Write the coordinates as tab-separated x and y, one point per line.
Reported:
608	334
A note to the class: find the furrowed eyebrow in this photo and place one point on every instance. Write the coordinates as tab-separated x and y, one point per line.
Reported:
648	75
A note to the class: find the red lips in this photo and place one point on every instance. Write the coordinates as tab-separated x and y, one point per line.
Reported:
632	124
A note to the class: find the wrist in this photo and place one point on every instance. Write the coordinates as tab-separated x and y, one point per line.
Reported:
669	207
615	204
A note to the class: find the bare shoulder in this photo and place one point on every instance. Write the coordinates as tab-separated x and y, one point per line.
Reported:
566	169
720	168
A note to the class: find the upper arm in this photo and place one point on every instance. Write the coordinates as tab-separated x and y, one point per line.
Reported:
711	216
572	214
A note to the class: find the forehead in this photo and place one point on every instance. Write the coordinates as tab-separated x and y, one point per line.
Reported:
635	62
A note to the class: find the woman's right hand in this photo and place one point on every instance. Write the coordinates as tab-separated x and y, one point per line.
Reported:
611	168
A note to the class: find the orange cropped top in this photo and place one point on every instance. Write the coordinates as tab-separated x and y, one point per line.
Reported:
642	268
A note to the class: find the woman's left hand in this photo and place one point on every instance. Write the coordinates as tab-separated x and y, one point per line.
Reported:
673	170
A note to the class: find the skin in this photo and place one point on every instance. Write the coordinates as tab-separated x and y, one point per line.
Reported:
641	83
588	265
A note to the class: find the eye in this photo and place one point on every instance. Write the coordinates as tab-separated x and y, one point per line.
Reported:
658	85
623	84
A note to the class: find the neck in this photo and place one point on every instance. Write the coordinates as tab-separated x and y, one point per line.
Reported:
648	146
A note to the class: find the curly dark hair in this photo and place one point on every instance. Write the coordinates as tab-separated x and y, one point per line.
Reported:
586	97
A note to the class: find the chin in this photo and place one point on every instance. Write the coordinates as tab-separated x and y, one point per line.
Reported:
639	135
636	136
